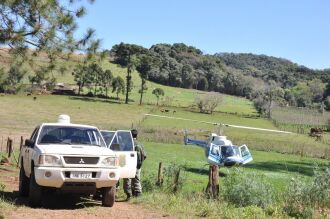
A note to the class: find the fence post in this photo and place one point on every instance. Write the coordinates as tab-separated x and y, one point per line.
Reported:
1	143
213	185
9	147
21	144
160	177
176	181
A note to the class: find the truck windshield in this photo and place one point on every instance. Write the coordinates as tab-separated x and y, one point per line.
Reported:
70	135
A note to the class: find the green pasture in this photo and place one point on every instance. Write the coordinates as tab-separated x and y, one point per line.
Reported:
277	168
173	96
300	144
19	114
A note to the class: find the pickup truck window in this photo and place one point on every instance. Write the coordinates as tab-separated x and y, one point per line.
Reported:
125	141
70	135
108	136
34	134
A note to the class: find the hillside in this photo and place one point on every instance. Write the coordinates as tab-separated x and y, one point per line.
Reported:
268	68
245	75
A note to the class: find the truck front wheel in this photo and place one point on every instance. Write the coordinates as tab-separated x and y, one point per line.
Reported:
35	192
108	196
23	188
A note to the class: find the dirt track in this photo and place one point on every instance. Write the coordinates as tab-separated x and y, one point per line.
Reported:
65	206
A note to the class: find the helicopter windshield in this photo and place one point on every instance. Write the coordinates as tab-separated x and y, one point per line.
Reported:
217	141
227	151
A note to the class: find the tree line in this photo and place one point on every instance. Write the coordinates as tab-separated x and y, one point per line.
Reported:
47	28
264	79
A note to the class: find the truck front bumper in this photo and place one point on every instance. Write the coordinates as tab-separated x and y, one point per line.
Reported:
56	177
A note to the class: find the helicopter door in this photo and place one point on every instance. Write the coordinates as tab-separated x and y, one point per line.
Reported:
123	146
245	154
214	156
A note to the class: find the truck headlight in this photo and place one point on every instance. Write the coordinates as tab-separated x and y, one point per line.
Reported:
49	160
110	161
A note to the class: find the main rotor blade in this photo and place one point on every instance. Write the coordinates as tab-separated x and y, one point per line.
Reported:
219	124
260	129
178	118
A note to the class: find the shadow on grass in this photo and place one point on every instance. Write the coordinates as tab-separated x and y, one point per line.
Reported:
302	168
51	201
202	171
94	100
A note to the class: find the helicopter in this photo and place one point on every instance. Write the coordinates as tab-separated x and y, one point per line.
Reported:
218	149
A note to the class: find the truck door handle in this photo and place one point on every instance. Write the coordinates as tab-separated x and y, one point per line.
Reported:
132	155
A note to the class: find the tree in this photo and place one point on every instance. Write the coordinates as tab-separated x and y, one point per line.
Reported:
144	66
202	84
95	72
272	93
125	55
106	80
118	85
158	92
34	27
47	26
327	103
12	83
207	103
317	89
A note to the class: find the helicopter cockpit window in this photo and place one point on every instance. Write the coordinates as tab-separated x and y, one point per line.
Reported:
227	151
244	152
215	150
236	150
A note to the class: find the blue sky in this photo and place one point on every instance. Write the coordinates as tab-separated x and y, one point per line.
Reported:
298	30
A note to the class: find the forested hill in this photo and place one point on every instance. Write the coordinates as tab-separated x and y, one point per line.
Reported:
261	78
185	66
281	70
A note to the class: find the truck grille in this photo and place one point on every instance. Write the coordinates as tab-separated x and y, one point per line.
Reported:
81	160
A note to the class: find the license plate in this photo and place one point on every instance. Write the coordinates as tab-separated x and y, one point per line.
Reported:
80	175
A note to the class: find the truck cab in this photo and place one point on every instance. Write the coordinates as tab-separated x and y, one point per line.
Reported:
72	158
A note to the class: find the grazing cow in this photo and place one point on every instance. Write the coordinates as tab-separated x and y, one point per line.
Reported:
316	132
34	98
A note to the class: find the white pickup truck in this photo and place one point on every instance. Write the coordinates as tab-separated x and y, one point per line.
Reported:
68	157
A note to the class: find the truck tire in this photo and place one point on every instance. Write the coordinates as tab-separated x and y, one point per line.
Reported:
108	196
23	188
35	192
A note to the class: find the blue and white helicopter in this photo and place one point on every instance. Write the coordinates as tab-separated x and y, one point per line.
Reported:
218	149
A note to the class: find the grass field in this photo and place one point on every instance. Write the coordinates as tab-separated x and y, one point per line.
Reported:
277	169
297	155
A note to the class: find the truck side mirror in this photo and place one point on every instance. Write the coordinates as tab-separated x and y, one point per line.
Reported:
29	143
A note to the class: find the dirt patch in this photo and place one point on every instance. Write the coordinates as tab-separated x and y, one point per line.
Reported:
66	206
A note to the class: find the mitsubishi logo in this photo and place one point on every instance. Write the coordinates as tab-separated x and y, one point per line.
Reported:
81	161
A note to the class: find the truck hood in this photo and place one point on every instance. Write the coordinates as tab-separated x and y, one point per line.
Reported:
75	150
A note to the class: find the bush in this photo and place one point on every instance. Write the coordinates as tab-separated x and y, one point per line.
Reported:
2	187
148	182
208	103
302	197
244	189
173	177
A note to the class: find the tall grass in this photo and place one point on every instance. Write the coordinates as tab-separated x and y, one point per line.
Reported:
300	116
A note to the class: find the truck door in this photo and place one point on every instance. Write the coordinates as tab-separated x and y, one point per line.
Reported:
26	153
214	156
123	145
245	154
